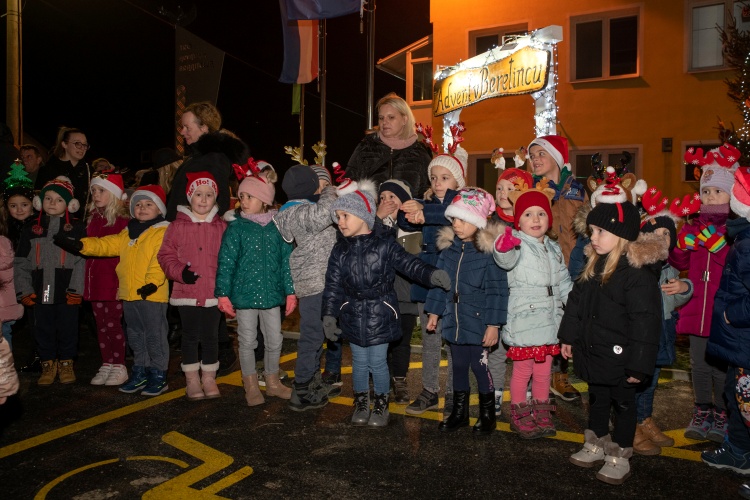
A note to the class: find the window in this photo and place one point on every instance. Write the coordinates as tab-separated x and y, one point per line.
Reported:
704	19
690	172
581	160
480	41
486	172
605	45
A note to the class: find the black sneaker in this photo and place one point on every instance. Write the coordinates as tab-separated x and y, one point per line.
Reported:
425	401
309	395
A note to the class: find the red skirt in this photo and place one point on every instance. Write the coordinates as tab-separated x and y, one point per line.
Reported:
537	353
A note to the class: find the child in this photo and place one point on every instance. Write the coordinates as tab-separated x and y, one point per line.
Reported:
704	264
675	292
539	285
611	328
475	307
107	215
729	334
52	279
253	280
447	174
188	256
360	293
142	287
306	220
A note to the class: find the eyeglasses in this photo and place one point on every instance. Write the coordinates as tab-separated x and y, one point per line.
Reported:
81	145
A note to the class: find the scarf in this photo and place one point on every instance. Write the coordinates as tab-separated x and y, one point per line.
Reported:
136	227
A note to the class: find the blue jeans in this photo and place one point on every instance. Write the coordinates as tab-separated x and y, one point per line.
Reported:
8	332
644	398
147	332
333	355
366	360
311	338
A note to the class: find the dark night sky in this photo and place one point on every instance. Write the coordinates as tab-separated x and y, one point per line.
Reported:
107	67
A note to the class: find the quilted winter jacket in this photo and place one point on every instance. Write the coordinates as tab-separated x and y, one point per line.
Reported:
434	221
539	286
253	264
614	328
479	289
138	261
10	309
100	279
359	287
731	342
189	239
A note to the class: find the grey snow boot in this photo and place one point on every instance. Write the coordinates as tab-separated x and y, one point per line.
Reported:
592	451
380	415
616	467
361	415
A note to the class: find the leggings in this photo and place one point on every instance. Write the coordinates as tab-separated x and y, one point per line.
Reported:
621	398
538	373
474	356
109	332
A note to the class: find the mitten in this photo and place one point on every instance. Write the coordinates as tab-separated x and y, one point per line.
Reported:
73	299
188	276
291	304
440	278
506	241
146	290
686	241
712	239
68	243
29	300
330	329
225	306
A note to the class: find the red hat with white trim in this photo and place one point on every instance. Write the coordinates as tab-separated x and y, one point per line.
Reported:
739	198
197	179
112	183
152	192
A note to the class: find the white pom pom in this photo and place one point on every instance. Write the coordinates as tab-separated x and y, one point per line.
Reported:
37	203
73	205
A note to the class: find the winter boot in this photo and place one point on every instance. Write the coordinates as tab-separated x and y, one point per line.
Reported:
400	391
498	402
309	395
274	387
208	380
718	426
592	451
459	416
253	396
136	382
65	371
426	400
487	420
522	421
543	416
642	443
102	375
700	424
616	467
49	372
380	415
156	382
562	388
193	389
652	431
361	415
447	406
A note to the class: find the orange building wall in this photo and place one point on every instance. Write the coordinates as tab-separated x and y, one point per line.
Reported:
664	101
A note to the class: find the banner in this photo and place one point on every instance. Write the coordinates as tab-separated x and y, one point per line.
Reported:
198	66
300	49
321	9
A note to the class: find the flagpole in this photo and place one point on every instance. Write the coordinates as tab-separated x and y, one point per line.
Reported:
322	81
301	116
370	64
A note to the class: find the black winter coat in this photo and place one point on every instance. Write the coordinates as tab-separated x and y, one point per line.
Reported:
360	289
373	159
214	152
614	328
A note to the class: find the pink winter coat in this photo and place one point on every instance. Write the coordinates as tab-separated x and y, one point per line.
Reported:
190	240
10	309
100	278
704	270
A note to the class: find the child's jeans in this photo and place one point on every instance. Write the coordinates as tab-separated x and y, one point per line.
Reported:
333	355
399	351
311	338
200	326
708	375
56	331
108	317
621	398
432	344
247	333
147	333
644	397
8	332
474	356
366	360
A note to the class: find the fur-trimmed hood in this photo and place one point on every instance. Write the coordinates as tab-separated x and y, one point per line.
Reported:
579	220
220	142
648	250
484	239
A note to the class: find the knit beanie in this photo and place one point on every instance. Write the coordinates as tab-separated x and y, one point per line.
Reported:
620	219
531	198
62	186
739	198
718	166
400	188
258	187
556	146
455	163
653	223
153	192
322	173
110	182
520	178
300	182
472	205
357	198
197	179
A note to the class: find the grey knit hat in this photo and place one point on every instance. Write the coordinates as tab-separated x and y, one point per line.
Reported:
358	199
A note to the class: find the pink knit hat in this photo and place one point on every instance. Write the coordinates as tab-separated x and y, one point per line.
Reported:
258	187
472	205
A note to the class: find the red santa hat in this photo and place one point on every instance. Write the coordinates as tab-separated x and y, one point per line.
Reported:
110	182
556	146
152	192
739	199
197	179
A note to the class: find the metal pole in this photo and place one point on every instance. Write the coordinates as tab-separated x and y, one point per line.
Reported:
370	64
323	82
302	117
13	71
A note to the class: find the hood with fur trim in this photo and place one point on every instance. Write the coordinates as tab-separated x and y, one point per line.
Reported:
484	239
579	220
220	142
648	250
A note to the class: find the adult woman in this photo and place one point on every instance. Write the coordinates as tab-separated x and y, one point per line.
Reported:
211	149
393	152
67	159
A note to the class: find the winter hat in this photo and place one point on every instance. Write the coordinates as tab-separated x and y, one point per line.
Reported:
17	183
356	198
718	166
400	188
62	186
660	216
322	173
531	198
652	224
258	187
739	198
620	219
300	182
455	163
520	178
110	182
472	205
556	146
152	192
197	179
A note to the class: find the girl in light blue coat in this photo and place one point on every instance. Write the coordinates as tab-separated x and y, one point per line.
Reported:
539	285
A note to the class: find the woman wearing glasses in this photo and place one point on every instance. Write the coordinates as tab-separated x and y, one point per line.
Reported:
67	159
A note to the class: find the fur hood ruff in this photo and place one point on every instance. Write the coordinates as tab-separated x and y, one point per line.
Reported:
220	142
484	239
648	249
579	220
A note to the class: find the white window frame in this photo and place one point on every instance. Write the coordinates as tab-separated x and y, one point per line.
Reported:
500	31
410	62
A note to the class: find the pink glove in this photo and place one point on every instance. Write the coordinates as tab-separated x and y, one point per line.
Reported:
291	303
506	241
225	306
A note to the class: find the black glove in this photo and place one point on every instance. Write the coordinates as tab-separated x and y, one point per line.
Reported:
188	276
441	279
330	329
146	290
68	243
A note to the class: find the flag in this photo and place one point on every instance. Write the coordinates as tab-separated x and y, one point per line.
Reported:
321	9
300	49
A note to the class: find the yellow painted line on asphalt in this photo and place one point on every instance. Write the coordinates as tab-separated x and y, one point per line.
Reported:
179	463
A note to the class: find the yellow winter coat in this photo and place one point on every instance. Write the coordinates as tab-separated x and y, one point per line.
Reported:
138	264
